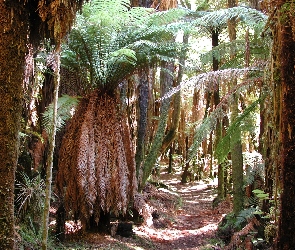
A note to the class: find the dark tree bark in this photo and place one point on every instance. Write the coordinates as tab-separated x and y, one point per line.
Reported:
286	57
141	3
254	4
166	81
236	145
13	30
216	100
176	103
143	102
20	20
186	172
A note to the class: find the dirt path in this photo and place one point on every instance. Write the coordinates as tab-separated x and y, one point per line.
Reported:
194	222
182	218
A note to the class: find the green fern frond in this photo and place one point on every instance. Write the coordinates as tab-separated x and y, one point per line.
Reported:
223	147
208	80
251	201
107	11
106	51
123	55
255	168
245	215
30	194
223	50
65	109
166	17
209	124
218	19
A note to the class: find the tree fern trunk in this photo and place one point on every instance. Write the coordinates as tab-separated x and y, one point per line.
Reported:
186	173
218	131
96	171
49	164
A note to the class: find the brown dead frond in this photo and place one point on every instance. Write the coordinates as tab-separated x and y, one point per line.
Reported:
58	16
96	168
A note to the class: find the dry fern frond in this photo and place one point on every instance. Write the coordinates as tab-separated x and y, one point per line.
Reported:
96	167
57	16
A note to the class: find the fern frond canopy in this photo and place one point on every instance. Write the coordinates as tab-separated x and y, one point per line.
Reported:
218	19
106	50
209	81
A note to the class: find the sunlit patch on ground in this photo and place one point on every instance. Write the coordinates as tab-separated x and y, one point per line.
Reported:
185	219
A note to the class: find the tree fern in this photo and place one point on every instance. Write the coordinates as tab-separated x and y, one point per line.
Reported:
218	19
106	50
209	80
30	195
255	168
222	52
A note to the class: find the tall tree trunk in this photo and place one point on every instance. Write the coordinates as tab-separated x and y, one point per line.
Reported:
286	57
216	100
254	4
49	163
186	172
269	141
143	101
171	152
166	80
13	33
236	144
175	117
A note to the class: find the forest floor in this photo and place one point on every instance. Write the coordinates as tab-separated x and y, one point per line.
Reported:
178	217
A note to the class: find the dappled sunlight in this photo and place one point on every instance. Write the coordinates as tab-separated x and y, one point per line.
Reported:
190	225
179	216
182	238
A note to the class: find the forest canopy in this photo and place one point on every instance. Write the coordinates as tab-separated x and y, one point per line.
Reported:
101	98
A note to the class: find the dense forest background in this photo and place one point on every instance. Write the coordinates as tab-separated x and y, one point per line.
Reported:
99	97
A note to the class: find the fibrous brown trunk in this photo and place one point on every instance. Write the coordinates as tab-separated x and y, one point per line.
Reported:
286	57
13	30
96	171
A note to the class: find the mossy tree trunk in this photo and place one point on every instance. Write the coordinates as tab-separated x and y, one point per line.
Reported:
166	80
49	162
216	100
236	144
13	30
176	103
143	102
286	58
